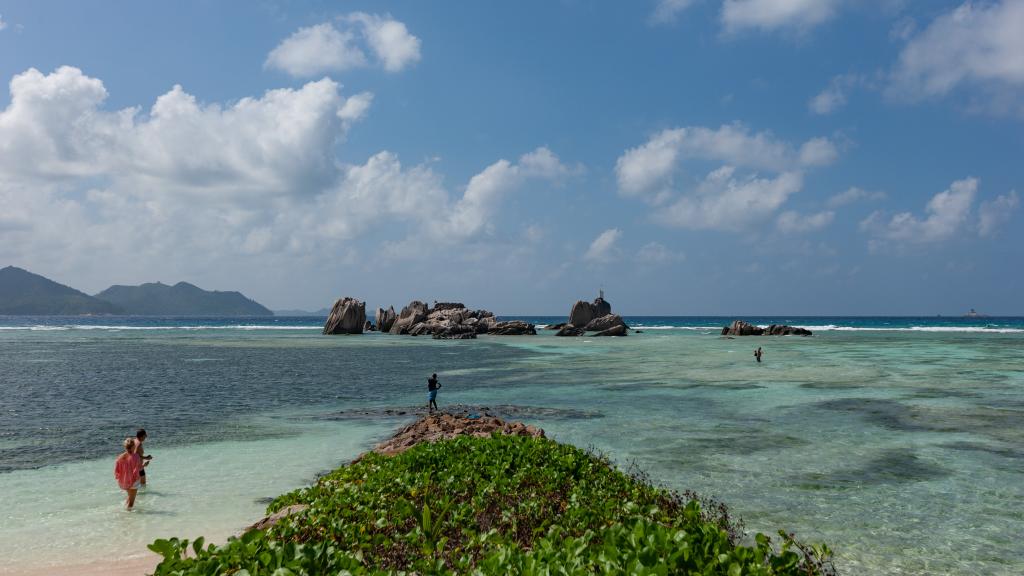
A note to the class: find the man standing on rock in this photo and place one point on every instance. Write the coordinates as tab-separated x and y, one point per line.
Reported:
432	386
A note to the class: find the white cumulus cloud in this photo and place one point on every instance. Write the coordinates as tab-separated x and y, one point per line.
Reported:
337	47
603	247
648	169
946	214
729	197
976	45
994	213
191	184
725	201
389	39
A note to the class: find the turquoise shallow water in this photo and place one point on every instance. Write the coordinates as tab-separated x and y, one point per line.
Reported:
900	442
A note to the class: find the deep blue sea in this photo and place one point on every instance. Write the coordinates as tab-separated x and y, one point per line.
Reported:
899	441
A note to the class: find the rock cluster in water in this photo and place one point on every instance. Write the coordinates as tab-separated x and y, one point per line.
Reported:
443	426
445	320
593	316
348	316
741	328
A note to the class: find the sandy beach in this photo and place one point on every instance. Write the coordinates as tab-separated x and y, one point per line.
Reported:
134	566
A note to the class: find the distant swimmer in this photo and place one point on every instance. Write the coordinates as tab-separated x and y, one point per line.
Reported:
432	386
126	471
758	353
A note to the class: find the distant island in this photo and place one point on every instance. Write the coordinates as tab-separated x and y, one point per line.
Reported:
25	293
182	299
321	312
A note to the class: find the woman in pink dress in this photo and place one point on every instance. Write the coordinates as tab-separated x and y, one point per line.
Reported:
126	471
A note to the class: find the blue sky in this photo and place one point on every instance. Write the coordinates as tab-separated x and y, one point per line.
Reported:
691	157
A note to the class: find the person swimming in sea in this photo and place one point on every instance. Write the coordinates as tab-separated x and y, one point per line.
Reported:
126	471
757	354
432	386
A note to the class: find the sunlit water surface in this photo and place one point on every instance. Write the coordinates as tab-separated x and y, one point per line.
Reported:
901	448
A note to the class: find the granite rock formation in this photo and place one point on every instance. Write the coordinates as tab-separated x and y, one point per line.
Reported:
435	427
385	318
569	330
593	316
512	328
604	322
411	315
618	330
348	316
741	328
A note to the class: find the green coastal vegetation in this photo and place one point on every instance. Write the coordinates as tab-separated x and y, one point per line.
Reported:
497	505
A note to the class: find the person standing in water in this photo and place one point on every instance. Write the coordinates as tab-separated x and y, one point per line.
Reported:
140	437
432	386
126	471
757	354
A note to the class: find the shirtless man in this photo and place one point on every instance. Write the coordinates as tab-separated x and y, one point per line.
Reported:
140	437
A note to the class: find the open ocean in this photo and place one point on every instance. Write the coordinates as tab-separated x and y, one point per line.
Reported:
898	441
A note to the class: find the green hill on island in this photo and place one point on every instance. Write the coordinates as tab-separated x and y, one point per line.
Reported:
25	293
182	299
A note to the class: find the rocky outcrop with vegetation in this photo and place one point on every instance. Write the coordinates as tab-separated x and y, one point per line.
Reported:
490	504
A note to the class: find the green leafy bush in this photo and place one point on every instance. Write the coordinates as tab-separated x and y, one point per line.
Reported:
499	505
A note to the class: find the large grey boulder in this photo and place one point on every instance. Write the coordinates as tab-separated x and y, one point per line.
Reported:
581	314
570	330
619	330
604	322
512	328
741	328
782	330
348	316
411	315
601	307
385	318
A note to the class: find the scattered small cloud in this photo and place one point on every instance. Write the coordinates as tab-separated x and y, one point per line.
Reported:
389	39
791	222
993	214
854	194
818	152
344	45
603	247
658	253
666	11
3	24
835	95
773	15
